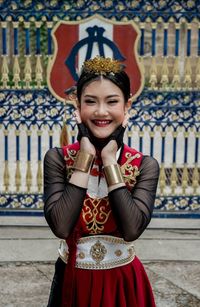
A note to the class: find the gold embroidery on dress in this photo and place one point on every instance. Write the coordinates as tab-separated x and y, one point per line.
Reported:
70	158
129	171
95	217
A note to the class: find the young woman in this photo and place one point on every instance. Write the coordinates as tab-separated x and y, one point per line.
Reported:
99	197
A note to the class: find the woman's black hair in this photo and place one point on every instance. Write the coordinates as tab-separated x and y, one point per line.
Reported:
120	79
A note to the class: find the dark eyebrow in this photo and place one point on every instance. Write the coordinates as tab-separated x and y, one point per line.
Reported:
93	96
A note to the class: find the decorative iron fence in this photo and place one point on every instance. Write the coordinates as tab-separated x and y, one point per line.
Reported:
164	119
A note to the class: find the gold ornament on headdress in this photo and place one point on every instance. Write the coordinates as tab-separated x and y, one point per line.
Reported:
101	65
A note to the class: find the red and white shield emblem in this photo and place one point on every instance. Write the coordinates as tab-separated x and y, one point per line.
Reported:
76	42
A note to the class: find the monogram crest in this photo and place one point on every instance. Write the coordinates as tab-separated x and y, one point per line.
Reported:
76	42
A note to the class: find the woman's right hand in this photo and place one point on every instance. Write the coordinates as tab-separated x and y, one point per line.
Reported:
83	135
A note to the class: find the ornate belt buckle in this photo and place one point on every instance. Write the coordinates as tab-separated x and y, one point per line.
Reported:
98	252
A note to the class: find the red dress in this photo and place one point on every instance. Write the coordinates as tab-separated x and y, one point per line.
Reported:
124	286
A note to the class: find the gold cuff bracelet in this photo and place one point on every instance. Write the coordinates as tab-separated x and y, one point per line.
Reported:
83	161
113	174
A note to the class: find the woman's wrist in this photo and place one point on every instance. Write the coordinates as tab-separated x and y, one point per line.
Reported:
113	174
109	160
79	179
83	161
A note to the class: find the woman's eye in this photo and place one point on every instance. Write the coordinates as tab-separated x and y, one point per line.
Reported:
112	101
89	101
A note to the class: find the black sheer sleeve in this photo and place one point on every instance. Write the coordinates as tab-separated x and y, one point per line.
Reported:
133	210
62	200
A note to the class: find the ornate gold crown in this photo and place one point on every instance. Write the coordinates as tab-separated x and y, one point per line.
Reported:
101	65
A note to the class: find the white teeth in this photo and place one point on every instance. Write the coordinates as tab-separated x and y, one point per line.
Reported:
102	122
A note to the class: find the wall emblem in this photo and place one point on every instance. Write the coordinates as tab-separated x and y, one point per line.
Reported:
75	42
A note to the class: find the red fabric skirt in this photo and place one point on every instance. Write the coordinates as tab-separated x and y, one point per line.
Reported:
125	286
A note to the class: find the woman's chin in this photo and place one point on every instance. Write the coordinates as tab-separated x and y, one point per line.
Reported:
102	134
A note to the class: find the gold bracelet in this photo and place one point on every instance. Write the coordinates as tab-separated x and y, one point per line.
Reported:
83	161
113	174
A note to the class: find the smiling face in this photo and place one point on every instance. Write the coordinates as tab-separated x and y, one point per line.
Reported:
102	107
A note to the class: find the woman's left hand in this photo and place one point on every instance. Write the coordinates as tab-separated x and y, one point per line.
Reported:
108	153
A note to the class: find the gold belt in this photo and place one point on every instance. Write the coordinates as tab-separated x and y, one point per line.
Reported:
100	252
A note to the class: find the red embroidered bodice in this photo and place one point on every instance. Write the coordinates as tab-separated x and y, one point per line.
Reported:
96	215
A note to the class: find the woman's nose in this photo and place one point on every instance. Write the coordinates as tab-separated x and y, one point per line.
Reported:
101	110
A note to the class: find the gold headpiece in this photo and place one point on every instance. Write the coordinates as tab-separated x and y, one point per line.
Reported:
101	65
